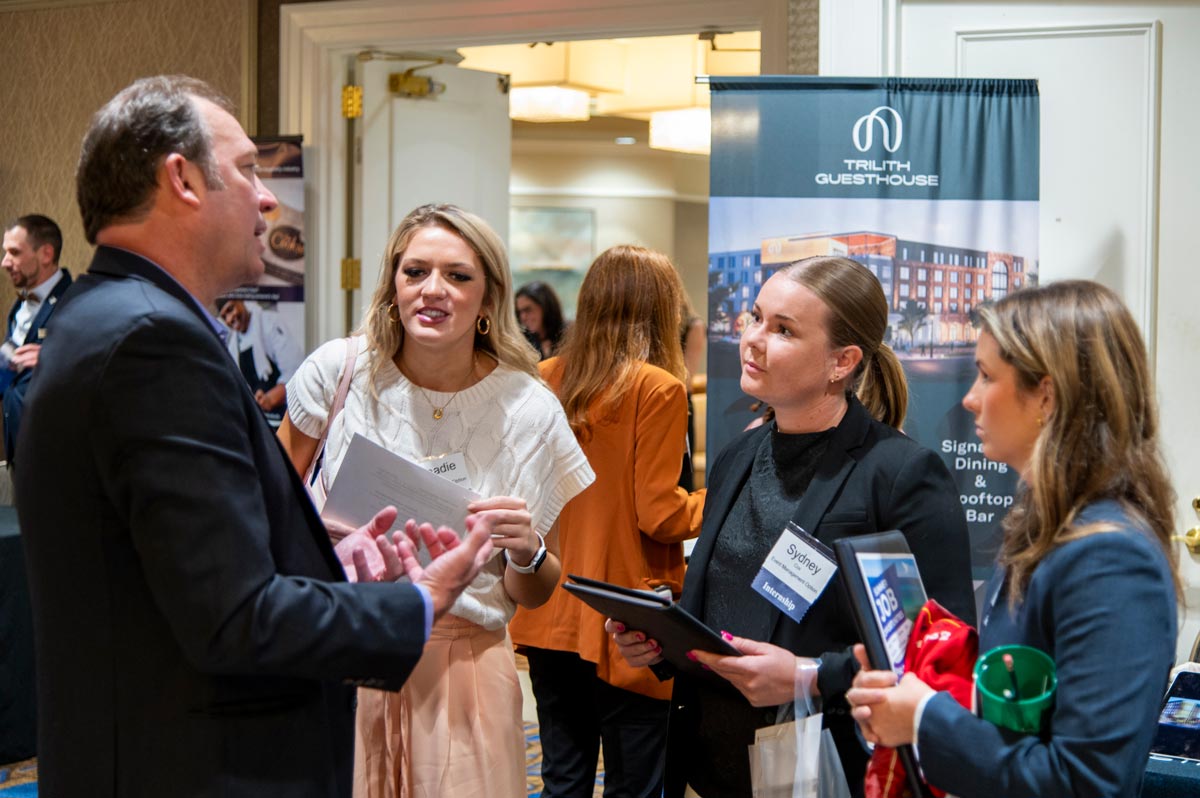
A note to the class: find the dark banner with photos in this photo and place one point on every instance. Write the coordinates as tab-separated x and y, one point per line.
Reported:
265	320
932	184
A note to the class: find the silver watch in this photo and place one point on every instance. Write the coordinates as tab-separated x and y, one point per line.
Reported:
539	557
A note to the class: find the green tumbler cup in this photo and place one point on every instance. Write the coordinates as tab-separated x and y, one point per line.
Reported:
1020	699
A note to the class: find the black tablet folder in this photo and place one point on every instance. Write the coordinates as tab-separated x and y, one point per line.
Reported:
662	620
872	566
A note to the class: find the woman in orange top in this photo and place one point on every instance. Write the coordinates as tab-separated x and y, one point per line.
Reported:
619	376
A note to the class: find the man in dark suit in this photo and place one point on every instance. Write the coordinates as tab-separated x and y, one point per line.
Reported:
32	245
195	635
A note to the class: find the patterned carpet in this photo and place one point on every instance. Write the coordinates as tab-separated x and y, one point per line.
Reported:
20	780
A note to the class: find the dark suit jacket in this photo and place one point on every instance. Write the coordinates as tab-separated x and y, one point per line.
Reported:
193	627
1103	607
14	395
871	479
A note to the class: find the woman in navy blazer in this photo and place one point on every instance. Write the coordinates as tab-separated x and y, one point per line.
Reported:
1086	570
834	461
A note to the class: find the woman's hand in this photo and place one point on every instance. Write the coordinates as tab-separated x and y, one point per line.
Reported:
764	674
512	526
884	709
633	645
512	530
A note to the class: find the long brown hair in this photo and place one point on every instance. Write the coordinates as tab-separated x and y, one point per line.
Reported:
858	314
504	340
627	314
1100	441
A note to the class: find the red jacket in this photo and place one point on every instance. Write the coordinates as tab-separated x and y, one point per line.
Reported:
941	652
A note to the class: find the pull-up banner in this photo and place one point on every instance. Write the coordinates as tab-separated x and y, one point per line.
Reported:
932	184
265	320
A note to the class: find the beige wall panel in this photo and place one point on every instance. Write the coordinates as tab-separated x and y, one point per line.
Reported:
62	63
803	41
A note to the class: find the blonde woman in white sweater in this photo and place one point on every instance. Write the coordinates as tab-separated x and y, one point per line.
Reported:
443	373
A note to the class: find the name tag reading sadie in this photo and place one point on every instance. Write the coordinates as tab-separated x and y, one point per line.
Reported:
796	572
452	466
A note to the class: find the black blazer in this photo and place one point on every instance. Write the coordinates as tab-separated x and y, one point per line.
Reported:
871	479
14	395
193	629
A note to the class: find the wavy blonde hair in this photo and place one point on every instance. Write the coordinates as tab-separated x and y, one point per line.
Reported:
628	313
504	342
1100	441
858	314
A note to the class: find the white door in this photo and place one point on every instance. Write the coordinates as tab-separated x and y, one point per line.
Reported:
454	146
1119	202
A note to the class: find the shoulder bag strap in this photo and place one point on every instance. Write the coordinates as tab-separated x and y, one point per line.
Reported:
339	399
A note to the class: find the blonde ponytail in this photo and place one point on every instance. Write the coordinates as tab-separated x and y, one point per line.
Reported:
883	389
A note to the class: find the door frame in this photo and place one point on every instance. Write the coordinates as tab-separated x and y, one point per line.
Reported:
316	39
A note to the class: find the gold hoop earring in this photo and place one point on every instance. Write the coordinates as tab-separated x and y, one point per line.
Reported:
393	313
1041	421
483	325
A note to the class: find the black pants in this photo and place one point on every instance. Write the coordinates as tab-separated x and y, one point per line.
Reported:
576	711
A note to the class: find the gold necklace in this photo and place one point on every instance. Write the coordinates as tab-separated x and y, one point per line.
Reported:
438	412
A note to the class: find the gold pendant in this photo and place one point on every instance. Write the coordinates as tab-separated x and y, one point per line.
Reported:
437	414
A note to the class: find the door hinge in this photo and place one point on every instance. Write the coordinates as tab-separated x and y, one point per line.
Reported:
351	274
351	102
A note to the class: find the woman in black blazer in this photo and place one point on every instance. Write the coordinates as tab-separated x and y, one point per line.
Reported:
833	461
1087	570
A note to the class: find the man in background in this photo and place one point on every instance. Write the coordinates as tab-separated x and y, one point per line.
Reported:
32	245
267	354
195	635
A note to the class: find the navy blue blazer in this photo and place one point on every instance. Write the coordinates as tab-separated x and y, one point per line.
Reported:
14	394
1103	607
194	631
872	478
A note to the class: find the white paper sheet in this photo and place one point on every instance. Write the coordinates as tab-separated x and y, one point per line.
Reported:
371	477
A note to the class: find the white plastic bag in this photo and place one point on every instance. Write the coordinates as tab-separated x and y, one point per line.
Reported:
797	759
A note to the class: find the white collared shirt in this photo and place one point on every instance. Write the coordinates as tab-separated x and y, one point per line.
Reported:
31	305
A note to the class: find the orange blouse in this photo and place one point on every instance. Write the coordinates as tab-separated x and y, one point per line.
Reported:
626	528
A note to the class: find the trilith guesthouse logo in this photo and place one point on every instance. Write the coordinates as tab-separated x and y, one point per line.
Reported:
889	125
890	135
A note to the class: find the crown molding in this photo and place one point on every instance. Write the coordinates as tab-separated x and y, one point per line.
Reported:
48	5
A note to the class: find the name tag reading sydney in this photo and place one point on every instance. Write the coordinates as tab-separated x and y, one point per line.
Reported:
796	572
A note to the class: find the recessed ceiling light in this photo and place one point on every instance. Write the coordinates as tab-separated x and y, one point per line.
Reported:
548	104
625	140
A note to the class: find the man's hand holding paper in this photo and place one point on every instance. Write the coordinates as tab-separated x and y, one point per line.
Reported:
370	556
371	477
437	558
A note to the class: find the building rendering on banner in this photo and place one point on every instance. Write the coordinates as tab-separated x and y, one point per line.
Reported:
932	288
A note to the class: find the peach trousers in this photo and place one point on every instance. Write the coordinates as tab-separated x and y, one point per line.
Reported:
454	730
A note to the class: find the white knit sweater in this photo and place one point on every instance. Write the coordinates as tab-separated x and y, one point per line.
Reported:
510	428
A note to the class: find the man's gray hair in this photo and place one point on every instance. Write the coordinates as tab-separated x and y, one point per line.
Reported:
127	140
